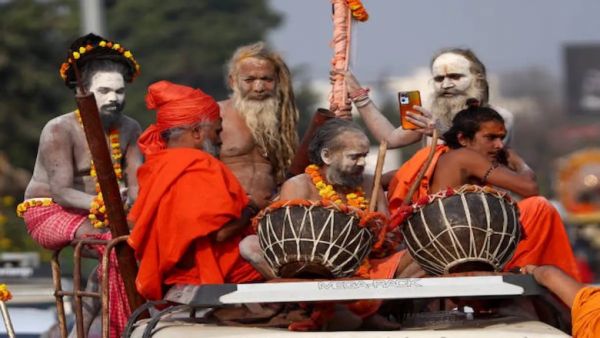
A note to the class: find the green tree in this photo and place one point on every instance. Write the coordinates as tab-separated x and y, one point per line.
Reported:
184	41
33	36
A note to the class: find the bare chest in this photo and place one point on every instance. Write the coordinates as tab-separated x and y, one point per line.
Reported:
236	136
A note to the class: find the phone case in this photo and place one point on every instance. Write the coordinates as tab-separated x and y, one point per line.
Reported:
407	100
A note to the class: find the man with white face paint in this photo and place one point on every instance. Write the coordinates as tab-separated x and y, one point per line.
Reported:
259	121
457	75
63	177
63	201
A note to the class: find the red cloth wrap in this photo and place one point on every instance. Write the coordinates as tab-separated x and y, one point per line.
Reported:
186	196
53	227
175	105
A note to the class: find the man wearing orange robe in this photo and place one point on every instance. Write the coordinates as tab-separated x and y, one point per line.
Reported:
191	211
583	299
471	156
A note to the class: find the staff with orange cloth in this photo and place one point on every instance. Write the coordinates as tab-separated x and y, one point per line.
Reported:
470	157
191	211
583	299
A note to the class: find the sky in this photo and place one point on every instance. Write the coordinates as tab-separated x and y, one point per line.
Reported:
400	35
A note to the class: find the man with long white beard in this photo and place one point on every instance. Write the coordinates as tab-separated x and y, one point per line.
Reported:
457	75
259	121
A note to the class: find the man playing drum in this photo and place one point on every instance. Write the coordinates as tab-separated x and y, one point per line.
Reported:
192	211
337	153
475	154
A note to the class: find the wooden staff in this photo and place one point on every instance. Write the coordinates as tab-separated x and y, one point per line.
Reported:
377	179
417	182
107	179
342	23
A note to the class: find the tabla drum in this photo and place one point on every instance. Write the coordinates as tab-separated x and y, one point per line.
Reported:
467	229
306	239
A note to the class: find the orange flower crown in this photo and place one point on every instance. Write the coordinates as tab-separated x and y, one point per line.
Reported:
93	47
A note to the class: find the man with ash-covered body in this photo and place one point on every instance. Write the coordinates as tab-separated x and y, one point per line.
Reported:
259	121
457	75
63	201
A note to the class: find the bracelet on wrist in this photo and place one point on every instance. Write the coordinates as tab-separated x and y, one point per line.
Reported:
363	103
354	95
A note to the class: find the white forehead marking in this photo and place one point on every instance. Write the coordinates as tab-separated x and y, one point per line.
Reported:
450	63
107	79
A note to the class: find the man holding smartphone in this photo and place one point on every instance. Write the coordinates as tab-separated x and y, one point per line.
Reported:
457	76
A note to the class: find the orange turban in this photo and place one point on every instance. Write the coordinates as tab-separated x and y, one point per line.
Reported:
175	105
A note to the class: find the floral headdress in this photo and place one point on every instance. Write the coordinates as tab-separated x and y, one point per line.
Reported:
93	47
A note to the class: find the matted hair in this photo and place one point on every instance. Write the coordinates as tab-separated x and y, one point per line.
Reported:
327	136
281	154
477	68
468	122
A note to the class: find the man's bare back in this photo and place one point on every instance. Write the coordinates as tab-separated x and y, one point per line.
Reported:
240	153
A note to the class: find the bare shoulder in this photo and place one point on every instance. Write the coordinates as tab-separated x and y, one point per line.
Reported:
129	123
298	186
225	106
61	124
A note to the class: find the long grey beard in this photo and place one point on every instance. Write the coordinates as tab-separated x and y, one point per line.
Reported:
445	108
261	119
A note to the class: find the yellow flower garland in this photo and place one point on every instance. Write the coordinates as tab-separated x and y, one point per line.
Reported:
5	294
355	199
98	216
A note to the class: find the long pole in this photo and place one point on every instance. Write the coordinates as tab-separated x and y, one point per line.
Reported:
92	17
94	133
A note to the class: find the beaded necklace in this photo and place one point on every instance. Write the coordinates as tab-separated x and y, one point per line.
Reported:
97	215
355	199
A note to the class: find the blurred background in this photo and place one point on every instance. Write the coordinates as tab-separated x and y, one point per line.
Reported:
542	56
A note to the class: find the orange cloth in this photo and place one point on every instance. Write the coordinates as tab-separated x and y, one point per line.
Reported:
185	196
407	174
585	313
175	105
545	242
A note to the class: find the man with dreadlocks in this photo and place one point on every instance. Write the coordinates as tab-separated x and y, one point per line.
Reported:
259	121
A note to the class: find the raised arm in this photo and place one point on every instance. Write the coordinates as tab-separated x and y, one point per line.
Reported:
379	125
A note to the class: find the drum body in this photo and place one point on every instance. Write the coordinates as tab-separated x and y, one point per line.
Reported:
312	240
468	229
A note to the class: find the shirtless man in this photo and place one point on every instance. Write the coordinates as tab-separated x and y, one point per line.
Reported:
338	151
474	154
59	196
62	200
457	75
259	121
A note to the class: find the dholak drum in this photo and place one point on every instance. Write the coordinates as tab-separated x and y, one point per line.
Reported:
468	229
305	239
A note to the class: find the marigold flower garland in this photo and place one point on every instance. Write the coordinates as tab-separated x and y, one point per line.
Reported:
358	10
5	294
98	216
355	199
77	54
